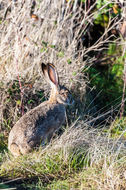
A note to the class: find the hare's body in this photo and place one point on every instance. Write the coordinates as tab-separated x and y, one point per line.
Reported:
38	125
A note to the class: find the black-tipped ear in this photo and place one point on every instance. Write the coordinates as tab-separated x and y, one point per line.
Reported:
52	74
45	72
44	68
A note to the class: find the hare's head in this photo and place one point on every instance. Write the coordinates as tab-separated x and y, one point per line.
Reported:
59	93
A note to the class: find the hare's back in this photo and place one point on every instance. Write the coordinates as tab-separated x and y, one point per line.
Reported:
45	120
38	123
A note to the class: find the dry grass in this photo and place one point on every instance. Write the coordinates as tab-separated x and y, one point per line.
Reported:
82	157
52	37
57	34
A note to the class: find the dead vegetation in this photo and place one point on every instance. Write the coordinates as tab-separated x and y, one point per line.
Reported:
80	158
80	155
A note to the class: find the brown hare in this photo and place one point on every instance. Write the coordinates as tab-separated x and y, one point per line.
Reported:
38	125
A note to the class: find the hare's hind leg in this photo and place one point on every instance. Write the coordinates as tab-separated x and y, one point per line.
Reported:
19	150
15	150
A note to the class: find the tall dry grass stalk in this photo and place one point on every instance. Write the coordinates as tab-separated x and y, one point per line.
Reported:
46	31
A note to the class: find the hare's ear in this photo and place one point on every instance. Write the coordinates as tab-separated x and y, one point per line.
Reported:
44	69
45	72
53	74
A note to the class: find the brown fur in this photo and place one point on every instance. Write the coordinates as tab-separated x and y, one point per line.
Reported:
38	125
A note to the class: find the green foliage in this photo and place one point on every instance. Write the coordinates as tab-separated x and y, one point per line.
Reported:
111	49
3	186
45	44
109	80
52	169
14	89
52	46
82	1
79	159
48	164
30	101
58	185
74	73
43	49
106	11
69	61
60	54
118	127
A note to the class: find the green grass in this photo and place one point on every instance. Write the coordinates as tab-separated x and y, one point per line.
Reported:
107	77
79	159
50	164
72	167
117	128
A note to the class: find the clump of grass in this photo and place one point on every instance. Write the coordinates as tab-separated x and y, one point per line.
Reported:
118	128
80	158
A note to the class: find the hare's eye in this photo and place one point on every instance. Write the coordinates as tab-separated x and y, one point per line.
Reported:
62	93
66	92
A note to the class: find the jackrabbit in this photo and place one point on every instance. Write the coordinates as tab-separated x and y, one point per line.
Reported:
38	125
